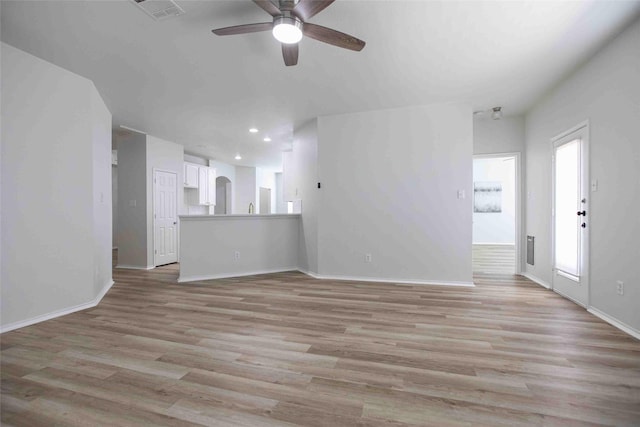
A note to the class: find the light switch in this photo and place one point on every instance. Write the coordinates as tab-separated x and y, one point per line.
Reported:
461	194
594	185
132	203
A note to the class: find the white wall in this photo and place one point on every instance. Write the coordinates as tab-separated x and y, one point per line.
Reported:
389	188
281	204
224	169
305	182
102	193
245	189
55	224
132	201
114	207
289	177
496	227
498	136
169	157
265	244
195	159
605	91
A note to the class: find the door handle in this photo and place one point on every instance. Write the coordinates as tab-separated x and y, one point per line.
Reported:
582	213
174	222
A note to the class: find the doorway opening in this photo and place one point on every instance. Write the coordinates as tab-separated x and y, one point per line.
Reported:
223	196
496	214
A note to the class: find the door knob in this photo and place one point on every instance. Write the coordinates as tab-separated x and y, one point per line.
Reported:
583	213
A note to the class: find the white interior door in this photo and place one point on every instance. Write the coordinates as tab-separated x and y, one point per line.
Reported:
570	216
165	220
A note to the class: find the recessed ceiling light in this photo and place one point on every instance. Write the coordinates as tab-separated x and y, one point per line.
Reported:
238	157
253	130
267	139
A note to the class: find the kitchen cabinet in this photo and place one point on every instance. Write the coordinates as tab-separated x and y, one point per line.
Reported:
206	186
191	175
211	187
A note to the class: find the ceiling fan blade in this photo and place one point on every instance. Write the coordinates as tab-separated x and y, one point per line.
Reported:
243	29
336	38
268	6
306	9
290	54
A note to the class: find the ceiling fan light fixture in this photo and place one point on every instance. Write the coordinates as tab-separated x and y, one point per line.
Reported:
287	29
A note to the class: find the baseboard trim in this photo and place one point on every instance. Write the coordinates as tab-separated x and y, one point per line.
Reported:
602	315
573	300
185	279
58	313
536	280
615	322
135	267
384	280
103	292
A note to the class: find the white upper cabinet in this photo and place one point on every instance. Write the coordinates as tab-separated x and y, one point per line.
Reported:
211	190
202	179
206	186
191	175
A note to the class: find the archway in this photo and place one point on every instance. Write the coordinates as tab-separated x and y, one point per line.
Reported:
223	196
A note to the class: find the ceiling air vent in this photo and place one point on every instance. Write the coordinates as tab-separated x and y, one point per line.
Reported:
159	9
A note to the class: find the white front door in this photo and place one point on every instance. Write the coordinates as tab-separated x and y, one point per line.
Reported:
165	218
570	216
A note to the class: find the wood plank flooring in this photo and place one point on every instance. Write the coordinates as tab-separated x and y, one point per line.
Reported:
494	259
286	349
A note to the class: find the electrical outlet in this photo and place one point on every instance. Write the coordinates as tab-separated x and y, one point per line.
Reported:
620	287
236	255
367	257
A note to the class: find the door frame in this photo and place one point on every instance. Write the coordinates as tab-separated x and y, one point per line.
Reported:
153	213
586	193
518	187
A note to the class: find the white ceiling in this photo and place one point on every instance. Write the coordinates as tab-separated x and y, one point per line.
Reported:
175	80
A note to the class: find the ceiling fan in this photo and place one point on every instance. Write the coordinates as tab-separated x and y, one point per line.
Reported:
290	24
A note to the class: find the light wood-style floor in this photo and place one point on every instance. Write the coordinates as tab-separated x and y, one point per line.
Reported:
285	349
494	259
